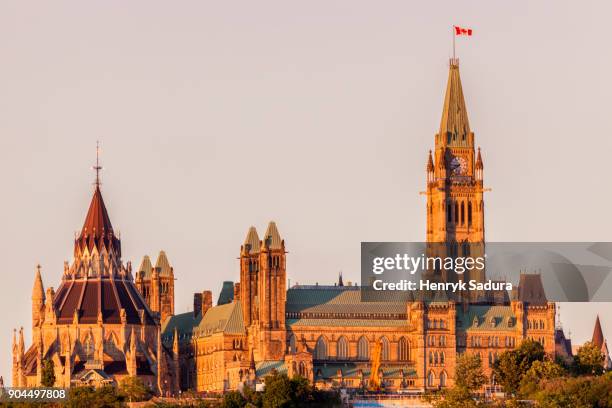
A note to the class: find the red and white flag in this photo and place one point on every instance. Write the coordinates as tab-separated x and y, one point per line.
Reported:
463	31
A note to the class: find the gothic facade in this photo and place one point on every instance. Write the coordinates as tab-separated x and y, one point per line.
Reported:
327	333
97	327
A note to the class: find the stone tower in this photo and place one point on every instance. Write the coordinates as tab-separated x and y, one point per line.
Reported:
262	288
455	206
156	284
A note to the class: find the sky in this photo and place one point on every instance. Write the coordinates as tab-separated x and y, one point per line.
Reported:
215	116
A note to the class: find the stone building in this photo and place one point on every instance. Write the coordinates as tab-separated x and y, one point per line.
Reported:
327	333
96	327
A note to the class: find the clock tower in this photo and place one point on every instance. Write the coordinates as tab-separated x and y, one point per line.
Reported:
455	205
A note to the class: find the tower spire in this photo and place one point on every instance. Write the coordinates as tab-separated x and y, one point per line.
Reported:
97	167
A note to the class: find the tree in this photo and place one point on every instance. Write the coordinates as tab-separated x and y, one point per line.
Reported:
134	389
277	393
589	360
468	372
104	397
539	370
512	365
233	399
48	373
456	397
576	392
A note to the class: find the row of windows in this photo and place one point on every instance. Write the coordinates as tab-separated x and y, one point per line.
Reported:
491	341
436	358
436	324
431	341
431	379
455	212
321	351
535	324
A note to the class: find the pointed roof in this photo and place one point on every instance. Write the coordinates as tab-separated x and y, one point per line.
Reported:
272	238
430	165
38	291
145	267
97	219
454	113
479	163
251	242
97	229
598	338
162	264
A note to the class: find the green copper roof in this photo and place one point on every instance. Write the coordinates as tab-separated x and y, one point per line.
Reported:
266	367
227	293
315	299
395	323
184	323
485	318
226	318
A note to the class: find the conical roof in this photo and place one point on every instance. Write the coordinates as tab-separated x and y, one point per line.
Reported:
146	268
251	242
162	265
598	338
272	238
97	229
454	113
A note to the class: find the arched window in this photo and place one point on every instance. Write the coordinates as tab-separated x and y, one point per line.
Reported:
431	360
490	359
442	341
443	379
292	345
384	354
321	349
363	349
456	212
430	379
342	348
302	370
442	358
462	213
469	213
403	351
541	324
449	212
436	361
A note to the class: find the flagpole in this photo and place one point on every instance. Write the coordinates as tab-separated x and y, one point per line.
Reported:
453	32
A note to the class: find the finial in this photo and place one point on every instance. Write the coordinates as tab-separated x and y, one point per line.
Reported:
97	167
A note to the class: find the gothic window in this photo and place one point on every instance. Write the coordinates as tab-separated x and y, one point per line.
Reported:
384	349
436	360
449	212
302	369
443	379
292	345
363	349
430	379
321	349
403	349
541	324
442	357
490	359
431	360
342	348
462	213
456	212
469	213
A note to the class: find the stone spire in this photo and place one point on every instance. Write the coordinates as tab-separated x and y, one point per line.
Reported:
272	239
162	265
454	125
598	338
145	267
38	298
251	242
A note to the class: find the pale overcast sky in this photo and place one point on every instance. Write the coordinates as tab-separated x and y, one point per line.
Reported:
214	116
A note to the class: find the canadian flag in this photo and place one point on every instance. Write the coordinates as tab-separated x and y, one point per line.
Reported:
463	31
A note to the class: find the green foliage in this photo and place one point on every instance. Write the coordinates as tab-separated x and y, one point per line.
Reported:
134	389
48	373
233	399
588	361
104	397
468	372
277	393
539	370
576	392
456	397
513	365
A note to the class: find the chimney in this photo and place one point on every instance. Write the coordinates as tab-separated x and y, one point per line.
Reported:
236	291
197	304
206	301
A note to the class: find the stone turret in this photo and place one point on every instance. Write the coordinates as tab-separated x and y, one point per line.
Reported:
38	300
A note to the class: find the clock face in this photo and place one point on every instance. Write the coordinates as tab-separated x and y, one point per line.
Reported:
458	166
